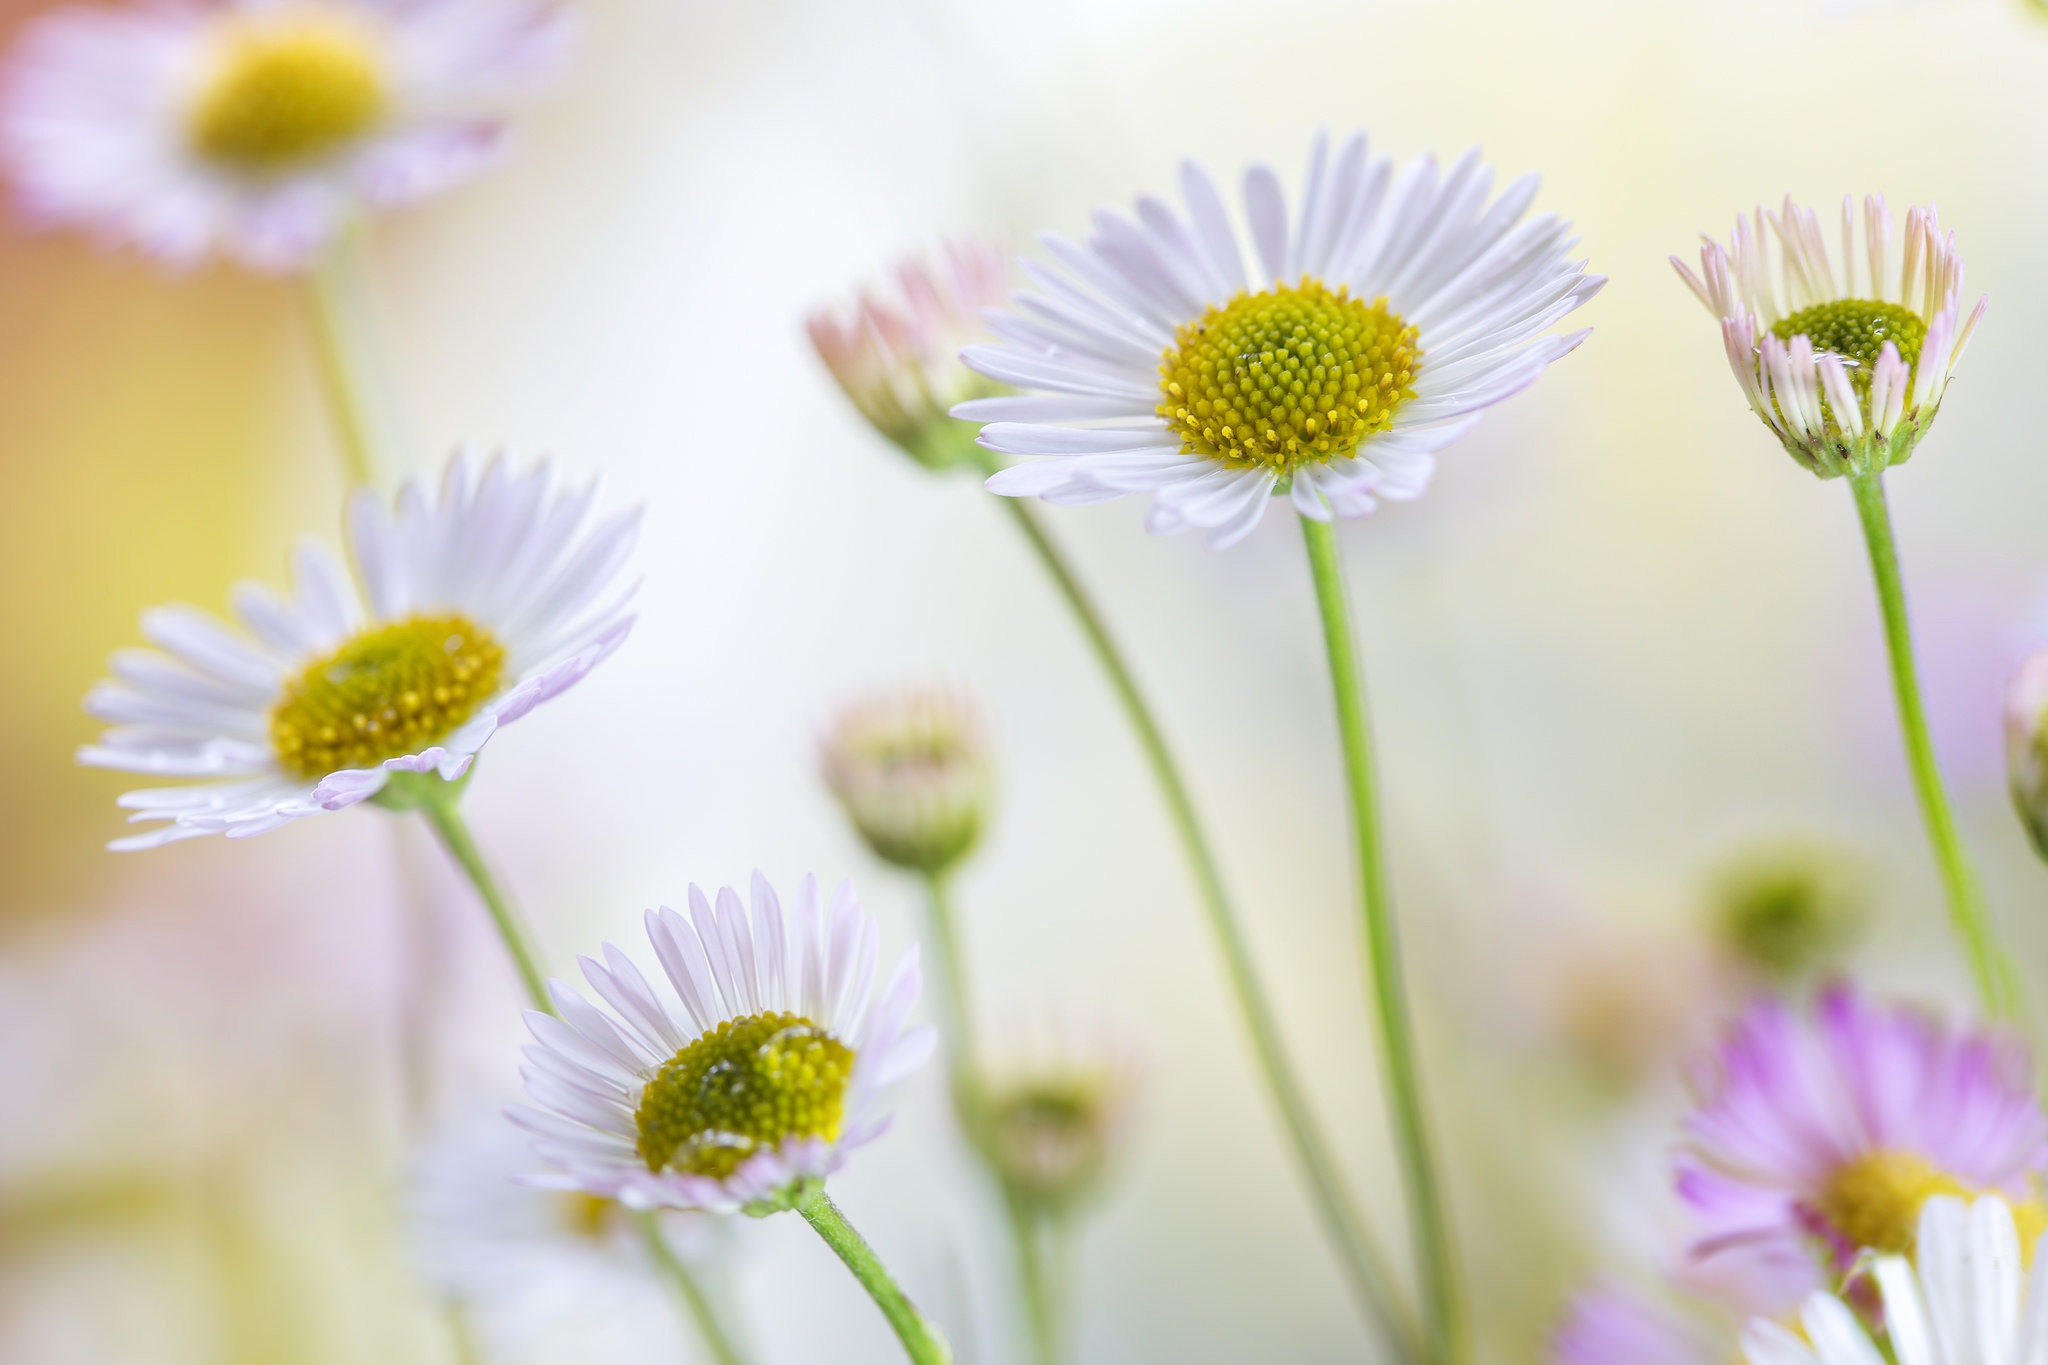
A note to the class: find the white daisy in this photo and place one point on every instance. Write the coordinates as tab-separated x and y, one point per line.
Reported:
482	603
257	127
763	1082
1371	335
1848	379
912	772
1966	1299
522	1257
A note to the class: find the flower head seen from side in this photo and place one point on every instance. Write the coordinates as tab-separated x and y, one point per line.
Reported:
260	127
1967	1297
1056	1116
1607	1324
751	1083
1370	333
1848	379
897	355
480	601
912	773
1815	1139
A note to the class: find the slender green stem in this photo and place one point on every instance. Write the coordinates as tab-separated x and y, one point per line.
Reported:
343	367
922	1342
1363	1266
956	1023
698	1304
1993	970
1428	1224
1042	1291
440	803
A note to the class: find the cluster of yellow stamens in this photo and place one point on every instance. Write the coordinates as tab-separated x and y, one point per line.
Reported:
1293	375
1856	330
744	1087
283	92
1875	1201
390	691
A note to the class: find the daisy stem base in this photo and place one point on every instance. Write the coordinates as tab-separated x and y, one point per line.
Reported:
1992	970
1429	1227
1040	1278
1359	1258
334	297
702	1315
440	803
922	1342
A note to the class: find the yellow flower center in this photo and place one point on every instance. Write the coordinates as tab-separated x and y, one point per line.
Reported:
744	1087
1875	1200
1856	330
283	93
1293	375
390	691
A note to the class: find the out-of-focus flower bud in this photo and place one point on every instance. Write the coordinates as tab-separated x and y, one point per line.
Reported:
898	358
1053	1126
2026	745
912	774
1789	908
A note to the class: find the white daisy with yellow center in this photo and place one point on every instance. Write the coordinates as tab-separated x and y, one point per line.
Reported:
479	603
1373	333
258	127
749	1086
1845	360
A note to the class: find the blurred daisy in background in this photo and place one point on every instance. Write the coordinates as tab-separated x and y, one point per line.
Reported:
779	1006
1611	1325
483	601
1818	1138
1372	333
258	128
520	1259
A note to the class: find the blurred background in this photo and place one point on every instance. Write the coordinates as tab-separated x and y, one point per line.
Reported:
1621	646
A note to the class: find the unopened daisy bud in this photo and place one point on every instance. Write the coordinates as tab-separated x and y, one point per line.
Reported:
2026	745
1053	1127
913	775
1848	373
1788	910
898	358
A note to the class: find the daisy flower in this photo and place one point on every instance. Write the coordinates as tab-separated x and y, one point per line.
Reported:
1369	334
1609	1325
259	127
1827	1135
479	603
1847	378
912	773
898	356
748	1087
1056	1114
1965	1299
523	1257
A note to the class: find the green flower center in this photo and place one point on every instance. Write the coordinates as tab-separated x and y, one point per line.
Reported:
389	691
1294	375
285	93
1856	330
744	1087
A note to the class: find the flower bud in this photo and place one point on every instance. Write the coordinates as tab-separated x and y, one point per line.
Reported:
899	359
2026	745
912	774
1788	909
1052	1128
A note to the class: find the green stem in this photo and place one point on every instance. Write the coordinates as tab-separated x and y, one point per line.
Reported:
1428	1225
922	1341
1992	969
702	1315
343	369
440	803
1042	1291
956	1031
1363	1267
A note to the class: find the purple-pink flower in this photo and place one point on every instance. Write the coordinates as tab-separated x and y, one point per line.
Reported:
1818	1135
1609	1325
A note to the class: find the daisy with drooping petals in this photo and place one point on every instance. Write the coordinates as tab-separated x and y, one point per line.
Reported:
480	602
749	1086
1966	1298
258	127
1827	1136
1847	378
1370	334
779	1007
898	358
